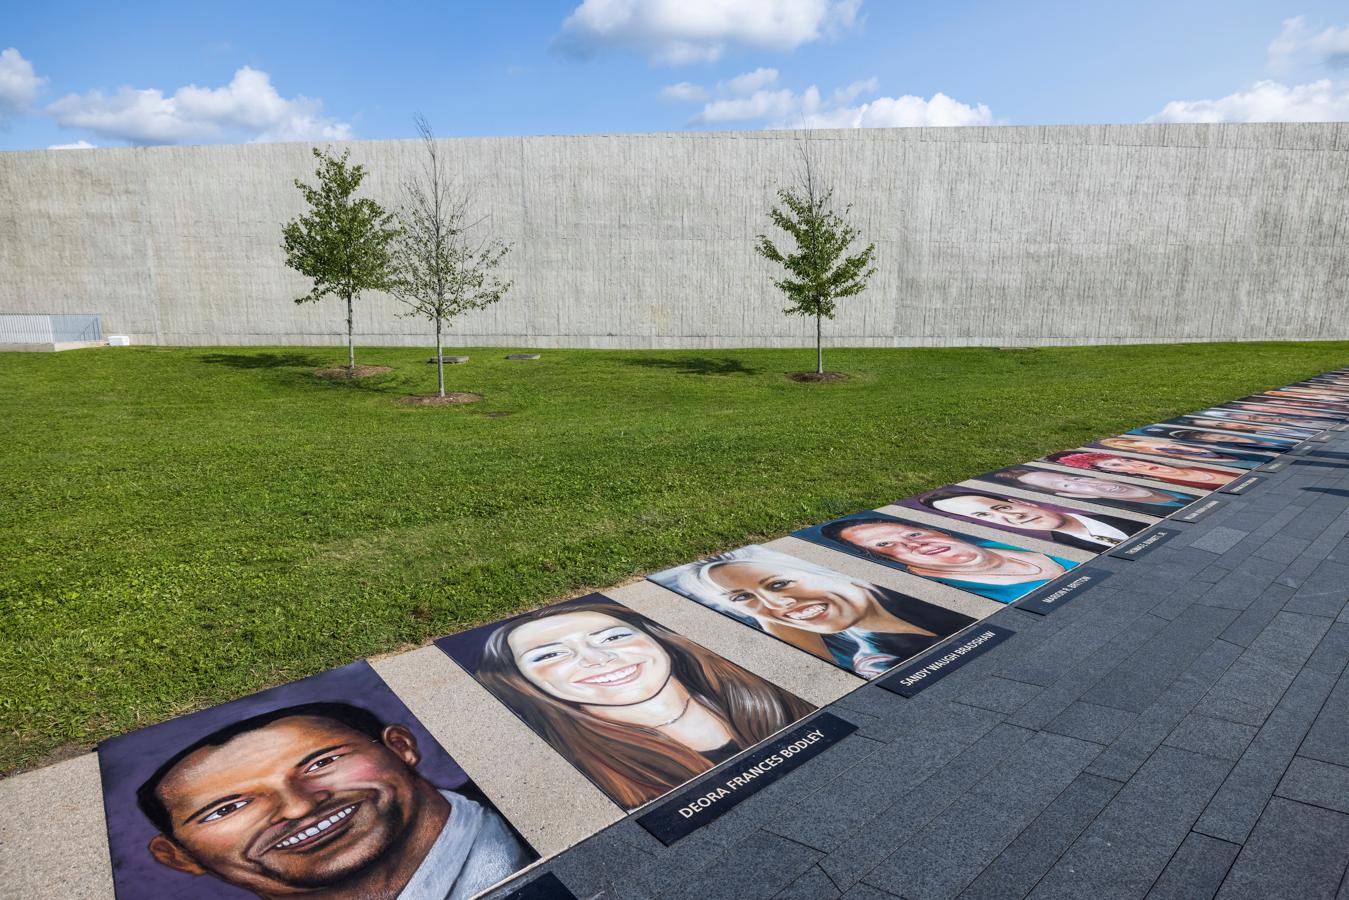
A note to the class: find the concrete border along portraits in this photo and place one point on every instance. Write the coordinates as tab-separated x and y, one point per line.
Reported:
549	726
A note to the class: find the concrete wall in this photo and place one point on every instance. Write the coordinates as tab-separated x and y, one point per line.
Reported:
1035	235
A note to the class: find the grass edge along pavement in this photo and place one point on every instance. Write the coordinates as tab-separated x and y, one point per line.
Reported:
184	527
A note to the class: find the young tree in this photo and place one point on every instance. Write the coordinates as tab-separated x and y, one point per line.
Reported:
445	265
343	241
819	273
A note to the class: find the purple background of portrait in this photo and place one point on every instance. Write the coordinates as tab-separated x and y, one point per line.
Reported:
127	761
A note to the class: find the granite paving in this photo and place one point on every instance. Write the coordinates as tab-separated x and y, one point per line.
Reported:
1179	731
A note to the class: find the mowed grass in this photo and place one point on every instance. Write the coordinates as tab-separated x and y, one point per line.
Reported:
179	527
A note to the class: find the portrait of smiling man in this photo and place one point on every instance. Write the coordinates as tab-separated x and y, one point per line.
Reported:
1060	524
320	800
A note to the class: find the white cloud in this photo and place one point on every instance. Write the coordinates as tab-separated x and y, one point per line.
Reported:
908	111
78	145
850	93
248	105
676	32
1266	101
784	108
19	84
742	85
684	92
1298	45
758	105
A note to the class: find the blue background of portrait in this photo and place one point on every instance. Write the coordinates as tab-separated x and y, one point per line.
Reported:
1002	593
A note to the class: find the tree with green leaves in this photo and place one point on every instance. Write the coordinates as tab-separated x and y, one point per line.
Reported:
819	270
445	264
343	241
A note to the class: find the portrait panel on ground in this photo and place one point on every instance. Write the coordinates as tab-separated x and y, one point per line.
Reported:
992	569
854	624
1169	449
1328	388
327	786
1266	405
638	708
1330	382
1099	490
1301	401
1062	524
1224	441
1311	395
1248	417
1254	429
1184	474
1319	384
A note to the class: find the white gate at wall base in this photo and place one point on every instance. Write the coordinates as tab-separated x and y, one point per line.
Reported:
52	329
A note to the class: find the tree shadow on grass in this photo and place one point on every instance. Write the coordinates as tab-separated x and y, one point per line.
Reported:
697	365
265	360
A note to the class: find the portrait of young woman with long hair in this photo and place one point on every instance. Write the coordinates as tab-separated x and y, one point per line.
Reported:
638	708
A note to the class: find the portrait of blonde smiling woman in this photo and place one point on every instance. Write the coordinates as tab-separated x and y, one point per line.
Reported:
855	624
638	708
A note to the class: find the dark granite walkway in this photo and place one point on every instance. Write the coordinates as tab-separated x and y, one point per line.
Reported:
1180	731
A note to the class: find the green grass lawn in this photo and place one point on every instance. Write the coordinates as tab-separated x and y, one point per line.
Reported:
181	527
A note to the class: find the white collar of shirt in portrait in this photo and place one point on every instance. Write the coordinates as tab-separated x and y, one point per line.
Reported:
1099	531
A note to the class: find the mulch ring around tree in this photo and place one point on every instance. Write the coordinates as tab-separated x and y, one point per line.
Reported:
451	398
342	373
817	376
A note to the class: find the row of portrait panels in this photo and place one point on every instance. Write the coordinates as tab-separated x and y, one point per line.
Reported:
331	786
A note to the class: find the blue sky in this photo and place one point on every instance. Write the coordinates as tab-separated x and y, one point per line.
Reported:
149	73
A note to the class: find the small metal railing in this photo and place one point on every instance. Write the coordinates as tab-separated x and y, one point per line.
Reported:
49	329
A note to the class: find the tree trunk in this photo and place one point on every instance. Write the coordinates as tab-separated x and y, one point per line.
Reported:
819	347
440	362
351	346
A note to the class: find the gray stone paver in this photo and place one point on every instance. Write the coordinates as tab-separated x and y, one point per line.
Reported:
898	822
1024	862
951	851
764	865
1197	870
1328	739
1234	810
1090	722
1316	783
1297	852
1216	737
1122	853
1219	539
812	885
